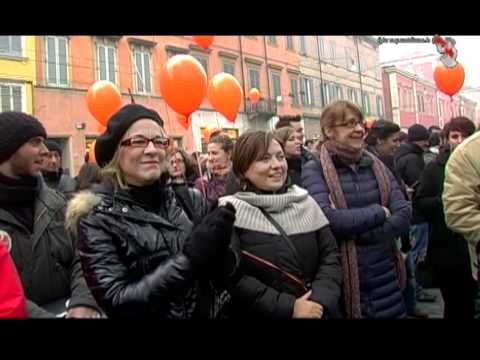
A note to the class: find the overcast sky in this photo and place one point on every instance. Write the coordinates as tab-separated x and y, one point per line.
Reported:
468	54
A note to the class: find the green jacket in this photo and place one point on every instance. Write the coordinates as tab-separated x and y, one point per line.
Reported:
46	260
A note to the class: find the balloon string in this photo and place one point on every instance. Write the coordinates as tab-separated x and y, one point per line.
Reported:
452	114
218	123
200	172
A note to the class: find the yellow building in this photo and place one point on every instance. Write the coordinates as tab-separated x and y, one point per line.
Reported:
17	73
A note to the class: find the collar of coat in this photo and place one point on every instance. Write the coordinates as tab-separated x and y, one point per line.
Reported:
48	203
295	211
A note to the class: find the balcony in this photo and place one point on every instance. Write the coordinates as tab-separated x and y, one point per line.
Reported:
263	109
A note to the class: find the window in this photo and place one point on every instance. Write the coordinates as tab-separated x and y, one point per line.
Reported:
333	52
321	43
11	97
294	91
290	42
254	77
142	71
379	105
177	141
352	95
272	40
229	68
335	92
366	103
11	45
303	46
326	92
421	105
106	62
202	60
349	62
56	56
276	87
306	91
440	108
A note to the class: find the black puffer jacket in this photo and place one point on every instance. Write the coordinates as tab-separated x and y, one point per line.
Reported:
191	201
409	164
446	250
132	257
265	292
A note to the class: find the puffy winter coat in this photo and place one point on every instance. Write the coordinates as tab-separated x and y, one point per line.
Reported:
365	221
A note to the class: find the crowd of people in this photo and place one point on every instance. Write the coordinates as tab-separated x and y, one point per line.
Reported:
266	226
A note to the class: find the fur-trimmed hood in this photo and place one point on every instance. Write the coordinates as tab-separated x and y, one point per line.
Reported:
80	205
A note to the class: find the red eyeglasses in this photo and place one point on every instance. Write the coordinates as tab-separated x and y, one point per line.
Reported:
142	142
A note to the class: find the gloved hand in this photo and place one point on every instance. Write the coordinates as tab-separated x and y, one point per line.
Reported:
210	239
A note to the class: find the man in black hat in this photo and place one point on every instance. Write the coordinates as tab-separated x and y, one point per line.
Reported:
53	173
32	217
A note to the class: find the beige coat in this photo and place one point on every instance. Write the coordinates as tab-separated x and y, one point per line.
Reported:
461	195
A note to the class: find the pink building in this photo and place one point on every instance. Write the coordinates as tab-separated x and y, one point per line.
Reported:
411	100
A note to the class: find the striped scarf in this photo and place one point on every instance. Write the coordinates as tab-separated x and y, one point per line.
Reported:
351	285
295	211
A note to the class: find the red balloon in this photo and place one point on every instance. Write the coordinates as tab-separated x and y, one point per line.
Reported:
184	121
254	95
103	100
449	80
183	83
225	95
203	41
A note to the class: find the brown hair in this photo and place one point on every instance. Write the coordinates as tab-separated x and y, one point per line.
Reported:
250	147
282	135
224	140
335	113
285	120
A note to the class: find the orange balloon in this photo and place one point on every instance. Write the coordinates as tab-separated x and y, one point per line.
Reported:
91	153
225	95
449	80
203	41
183	83
103	100
254	95
184	121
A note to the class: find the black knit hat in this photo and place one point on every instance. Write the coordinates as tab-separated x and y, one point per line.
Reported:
418	132
117	126
52	145
16	128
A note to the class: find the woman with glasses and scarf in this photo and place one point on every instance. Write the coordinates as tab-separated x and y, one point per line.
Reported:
367	212
139	254
290	262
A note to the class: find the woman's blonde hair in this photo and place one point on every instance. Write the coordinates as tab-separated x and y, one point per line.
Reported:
114	172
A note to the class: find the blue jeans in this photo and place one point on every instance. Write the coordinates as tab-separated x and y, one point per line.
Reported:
420	232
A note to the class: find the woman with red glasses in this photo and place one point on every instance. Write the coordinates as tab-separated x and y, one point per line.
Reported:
139	254
367	212
447	251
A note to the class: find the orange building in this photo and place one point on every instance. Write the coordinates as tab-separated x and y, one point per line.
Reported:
66	66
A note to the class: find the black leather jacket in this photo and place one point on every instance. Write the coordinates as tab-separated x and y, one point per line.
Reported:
132	257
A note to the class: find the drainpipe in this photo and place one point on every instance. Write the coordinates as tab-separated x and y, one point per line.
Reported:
243	76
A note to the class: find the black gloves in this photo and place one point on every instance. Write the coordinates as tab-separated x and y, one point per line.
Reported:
210	239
